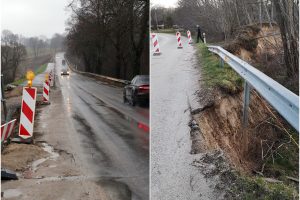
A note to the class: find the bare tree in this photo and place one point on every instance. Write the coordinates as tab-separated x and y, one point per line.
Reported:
288	21
57	42
12	52
109	37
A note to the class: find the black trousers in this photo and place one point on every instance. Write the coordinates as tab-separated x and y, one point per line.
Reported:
199	36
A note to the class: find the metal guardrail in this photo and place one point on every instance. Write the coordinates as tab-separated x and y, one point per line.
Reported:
282	99
114	81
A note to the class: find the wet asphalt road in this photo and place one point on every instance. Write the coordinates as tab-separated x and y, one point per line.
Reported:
112	145
174	80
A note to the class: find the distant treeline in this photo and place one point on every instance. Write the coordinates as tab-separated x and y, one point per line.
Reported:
15	48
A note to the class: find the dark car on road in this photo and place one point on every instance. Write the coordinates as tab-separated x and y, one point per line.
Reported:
137	91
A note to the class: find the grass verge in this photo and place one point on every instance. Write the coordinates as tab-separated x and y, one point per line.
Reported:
216	76
40	70
170	31
258	188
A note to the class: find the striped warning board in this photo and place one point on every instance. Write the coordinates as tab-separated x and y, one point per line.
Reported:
155	44
189	36
179	44
27	112
46	91
6	130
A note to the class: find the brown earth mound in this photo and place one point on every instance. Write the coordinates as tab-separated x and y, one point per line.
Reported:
247	148
262	48
18	156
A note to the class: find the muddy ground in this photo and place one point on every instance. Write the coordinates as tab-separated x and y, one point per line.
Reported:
262	150
17	157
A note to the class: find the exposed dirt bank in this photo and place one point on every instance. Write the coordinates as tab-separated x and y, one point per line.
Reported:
18	156
263	148
262	47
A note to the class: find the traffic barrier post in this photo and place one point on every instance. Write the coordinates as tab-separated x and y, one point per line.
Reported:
154	39
6	130
46	91
189	36
28	108
179	44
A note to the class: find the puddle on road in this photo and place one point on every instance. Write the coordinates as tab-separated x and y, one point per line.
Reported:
62	178
115	189
10	193
53	156
36	163
51	151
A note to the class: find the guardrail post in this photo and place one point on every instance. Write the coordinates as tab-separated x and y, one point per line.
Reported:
221	62
204	39
246	103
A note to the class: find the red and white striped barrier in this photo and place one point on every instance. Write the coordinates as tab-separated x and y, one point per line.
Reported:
189	36
179	44
46	92
6	130
27	112
154	39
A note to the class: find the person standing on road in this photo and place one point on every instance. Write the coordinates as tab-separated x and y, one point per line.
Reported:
199	35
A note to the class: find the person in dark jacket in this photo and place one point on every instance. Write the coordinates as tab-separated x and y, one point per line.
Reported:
199	34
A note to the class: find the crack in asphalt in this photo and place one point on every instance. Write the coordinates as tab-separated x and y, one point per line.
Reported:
91	139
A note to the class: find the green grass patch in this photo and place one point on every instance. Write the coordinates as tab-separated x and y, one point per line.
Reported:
40	70
257	188
285	161
216	76
19	81
169	30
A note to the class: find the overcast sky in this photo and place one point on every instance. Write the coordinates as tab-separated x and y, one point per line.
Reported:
164	3
34	17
